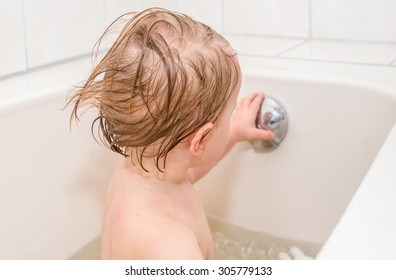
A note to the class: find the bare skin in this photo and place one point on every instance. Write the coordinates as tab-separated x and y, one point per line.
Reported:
158	215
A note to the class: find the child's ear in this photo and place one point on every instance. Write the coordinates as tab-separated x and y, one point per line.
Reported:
196	142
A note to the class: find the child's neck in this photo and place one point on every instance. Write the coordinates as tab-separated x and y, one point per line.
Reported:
174	173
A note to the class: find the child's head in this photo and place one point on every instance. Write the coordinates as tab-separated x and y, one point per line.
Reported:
165	76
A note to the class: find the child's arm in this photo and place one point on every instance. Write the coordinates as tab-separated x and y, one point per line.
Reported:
242	128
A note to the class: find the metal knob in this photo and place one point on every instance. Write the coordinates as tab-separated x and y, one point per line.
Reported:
271	116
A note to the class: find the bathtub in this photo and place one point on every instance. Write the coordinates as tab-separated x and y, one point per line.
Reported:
331	182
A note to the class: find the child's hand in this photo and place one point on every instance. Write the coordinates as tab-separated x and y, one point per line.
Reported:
243	121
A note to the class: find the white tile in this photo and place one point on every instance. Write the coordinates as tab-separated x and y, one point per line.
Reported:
59	30
116	8
206	11
265	46
12	47
354	20
374	53
271	17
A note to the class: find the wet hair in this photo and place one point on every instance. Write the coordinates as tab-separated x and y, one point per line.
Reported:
165	76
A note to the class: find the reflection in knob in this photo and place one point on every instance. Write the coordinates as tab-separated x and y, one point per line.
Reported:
271	116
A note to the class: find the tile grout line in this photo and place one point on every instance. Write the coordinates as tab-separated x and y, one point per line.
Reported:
347	41
25	35
292	48
250	35
222	17
310	19
46	66
392	62
319	60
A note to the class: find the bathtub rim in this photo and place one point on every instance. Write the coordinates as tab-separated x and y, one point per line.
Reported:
359	224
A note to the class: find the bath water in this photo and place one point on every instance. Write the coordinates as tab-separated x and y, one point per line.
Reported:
232	242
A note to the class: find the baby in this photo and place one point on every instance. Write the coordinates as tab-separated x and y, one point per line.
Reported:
165	93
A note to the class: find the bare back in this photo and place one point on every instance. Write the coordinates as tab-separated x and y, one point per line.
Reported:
146	221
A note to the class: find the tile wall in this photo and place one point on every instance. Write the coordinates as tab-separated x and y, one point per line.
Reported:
39	33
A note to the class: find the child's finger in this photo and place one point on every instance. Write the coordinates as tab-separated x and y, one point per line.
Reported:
263	134
244	102
256	102
251	99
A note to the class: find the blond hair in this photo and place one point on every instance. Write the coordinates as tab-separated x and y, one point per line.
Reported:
165	76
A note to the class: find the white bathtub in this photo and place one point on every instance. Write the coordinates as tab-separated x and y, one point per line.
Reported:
53	182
